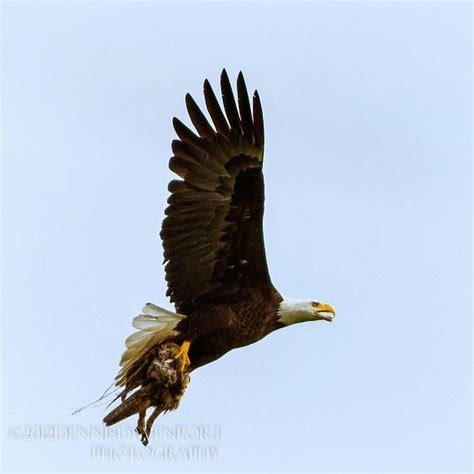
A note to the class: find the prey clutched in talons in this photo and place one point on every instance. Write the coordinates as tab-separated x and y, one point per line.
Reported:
160	383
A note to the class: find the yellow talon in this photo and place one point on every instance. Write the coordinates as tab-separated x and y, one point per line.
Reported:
182	354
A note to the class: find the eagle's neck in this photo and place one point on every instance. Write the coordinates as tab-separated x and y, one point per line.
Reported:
291	311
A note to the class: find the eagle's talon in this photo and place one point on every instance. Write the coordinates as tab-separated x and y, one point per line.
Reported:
182	355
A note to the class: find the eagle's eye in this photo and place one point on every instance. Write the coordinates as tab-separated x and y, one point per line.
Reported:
315	304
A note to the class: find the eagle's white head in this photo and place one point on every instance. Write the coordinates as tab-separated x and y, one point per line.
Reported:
298	311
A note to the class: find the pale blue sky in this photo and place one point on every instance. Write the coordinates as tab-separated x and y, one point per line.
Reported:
368	141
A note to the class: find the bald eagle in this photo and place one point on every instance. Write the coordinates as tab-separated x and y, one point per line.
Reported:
214	258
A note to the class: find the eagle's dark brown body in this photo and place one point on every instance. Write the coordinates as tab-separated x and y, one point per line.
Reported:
216	329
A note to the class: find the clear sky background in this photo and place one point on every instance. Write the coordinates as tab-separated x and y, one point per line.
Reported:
368	130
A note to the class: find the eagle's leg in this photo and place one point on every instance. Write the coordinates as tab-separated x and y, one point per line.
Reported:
182	355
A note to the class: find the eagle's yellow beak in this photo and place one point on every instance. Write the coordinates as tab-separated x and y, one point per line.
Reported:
325	311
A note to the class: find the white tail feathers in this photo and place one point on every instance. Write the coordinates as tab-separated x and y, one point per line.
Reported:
154	326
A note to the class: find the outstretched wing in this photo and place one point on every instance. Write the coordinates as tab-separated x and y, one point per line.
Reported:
212	233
